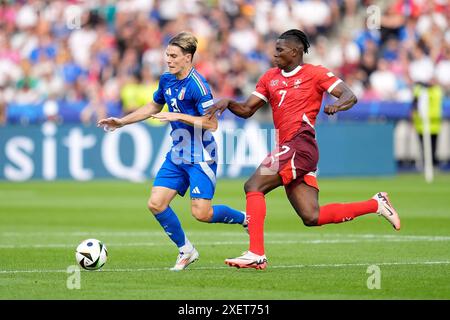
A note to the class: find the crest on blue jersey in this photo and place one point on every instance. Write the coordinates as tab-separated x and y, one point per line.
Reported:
181	94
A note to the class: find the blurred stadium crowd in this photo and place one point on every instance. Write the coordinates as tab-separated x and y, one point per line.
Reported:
92	58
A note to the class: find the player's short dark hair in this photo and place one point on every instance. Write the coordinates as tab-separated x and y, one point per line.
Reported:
186	41
297	36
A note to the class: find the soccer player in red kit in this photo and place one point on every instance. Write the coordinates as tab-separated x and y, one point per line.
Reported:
294	90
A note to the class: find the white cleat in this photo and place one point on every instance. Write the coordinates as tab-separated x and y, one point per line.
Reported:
248	260
245	223
386	209
185	259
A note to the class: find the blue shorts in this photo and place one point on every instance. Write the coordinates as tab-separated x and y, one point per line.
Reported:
200	176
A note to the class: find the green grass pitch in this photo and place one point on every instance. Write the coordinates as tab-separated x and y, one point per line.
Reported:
41	223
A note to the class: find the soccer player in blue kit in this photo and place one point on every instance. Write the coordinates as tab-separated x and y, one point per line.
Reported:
192	158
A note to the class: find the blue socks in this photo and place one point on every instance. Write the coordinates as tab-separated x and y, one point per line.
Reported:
224	214
172	226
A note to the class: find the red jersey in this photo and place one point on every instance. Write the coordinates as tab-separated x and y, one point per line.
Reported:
295	96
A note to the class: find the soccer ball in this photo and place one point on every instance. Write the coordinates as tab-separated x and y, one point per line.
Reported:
91	254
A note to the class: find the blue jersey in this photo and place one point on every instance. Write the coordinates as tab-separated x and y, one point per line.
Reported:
191	96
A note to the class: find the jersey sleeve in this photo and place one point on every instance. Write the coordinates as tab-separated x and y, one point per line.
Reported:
262	88
158	95
202	97
326	80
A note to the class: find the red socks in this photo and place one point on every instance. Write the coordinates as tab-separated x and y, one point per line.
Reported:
341	212
331	213
256	213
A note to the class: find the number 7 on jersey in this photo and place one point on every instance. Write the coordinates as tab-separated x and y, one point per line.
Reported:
283	94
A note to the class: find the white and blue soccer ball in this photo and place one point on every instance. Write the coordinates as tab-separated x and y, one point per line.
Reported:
91	254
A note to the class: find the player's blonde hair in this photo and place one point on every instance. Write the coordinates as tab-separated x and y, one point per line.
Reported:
186	41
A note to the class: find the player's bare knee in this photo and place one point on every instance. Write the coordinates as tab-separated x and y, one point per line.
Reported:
247	186
251	186
201	214
310	217
310	221
156	206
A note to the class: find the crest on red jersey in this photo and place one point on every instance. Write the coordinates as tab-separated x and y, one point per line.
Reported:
297	83
273	83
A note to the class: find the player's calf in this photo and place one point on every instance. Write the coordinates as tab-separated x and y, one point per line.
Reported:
202	214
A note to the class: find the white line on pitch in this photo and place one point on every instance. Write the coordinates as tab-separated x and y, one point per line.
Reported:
297	266
222	243
167	243
224	234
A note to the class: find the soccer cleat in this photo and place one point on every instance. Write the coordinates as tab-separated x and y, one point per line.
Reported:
245	226
386	209
248	260
245	223
185	259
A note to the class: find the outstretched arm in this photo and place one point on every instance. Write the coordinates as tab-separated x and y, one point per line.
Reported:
346	99
243	110
136	116
204	122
